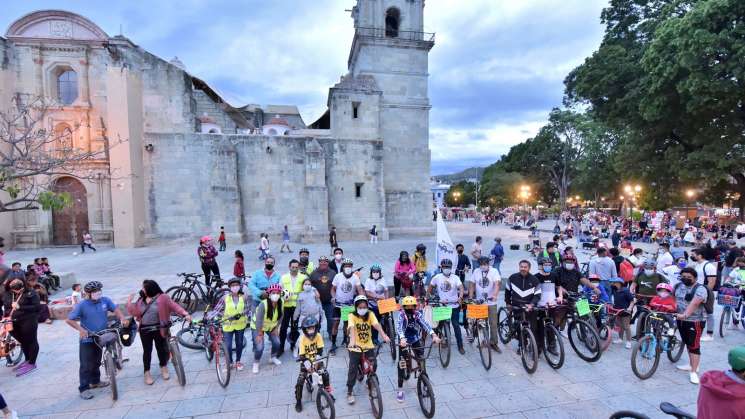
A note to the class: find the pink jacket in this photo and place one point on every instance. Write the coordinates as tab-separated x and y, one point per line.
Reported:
721	396
400	268
166	306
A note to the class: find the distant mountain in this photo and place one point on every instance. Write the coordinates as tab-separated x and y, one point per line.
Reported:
470	173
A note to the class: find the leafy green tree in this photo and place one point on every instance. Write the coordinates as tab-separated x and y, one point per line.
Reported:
461	194
499	188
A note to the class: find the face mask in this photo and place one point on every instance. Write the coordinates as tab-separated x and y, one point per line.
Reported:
310	332
547	269
485	269
376	275
460	251
648	272
663	294
307	287
274	297
96	295
681	265
422	252
293	271
235	289
269	266
361	311
410	311
304	261
569	266
447	271
337	257
687	281
347	271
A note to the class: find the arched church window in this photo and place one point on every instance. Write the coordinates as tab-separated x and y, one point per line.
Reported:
67	87
392	22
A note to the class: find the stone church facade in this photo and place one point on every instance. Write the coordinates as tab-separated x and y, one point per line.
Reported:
193	162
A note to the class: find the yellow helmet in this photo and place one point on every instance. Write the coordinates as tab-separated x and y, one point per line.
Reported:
408	301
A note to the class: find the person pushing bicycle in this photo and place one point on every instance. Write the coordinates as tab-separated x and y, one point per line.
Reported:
310	346
410	325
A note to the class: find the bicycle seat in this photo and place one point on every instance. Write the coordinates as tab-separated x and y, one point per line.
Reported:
672	410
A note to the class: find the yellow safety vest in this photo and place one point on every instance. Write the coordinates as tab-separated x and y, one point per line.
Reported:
286	282
231	309
269	324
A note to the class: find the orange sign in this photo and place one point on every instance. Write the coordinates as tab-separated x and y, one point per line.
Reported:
387	305
477	311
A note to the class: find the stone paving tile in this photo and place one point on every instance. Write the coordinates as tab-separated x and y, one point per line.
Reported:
473	408
548	413
442	411
245	401
198	406
512	402
66	415
476	388
114	412
508	416
275	412
585	391
587	409
222	415
545	397
152	411
192	391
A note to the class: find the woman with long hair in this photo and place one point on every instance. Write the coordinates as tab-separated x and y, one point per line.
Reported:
21	304
265	323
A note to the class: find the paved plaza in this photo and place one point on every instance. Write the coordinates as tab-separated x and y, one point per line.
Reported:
463	390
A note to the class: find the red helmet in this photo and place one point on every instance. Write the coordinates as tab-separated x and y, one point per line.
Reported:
274	288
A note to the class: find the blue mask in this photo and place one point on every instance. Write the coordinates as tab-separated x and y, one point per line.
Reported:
547	269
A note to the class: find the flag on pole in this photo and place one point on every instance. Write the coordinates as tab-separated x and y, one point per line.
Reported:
445	247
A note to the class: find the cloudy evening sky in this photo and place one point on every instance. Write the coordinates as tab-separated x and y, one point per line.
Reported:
495	72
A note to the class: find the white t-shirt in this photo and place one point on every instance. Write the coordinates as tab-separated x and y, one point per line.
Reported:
476	250
672	273
447	288
638	262
711	270
486	283
378	287
346	288
664	260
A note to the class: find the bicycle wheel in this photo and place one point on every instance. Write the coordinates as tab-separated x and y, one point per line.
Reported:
444	345
108	363
14	352
606	336
392	335
184	297
503	322
584	340
724	320
675	350
376	399
191	336
645	357
553	349
222	365
118	356
325	404
209	352
178	363
482	342
528	350
641	324
426	395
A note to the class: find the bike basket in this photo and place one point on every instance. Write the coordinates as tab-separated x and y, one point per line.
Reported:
728	300
729	291
583	307
106	339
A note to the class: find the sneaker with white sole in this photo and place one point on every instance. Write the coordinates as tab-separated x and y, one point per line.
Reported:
683	367
627	345
255	368
350	399
707	338
275	361
694	378
617	341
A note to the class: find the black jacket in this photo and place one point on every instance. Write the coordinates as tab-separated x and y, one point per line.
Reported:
522	290
29	306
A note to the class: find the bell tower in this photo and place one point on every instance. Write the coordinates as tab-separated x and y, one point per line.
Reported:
390	46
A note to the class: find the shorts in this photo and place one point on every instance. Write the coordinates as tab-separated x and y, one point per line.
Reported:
690	332
336	315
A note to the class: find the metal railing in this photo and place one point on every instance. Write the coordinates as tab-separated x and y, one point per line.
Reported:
389	33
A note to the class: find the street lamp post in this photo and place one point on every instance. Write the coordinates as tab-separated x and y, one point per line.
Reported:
525	194
690	195
631	191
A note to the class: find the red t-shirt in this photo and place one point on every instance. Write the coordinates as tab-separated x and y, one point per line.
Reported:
666	305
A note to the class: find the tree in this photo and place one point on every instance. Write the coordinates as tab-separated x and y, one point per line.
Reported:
499	187
461	194
33	155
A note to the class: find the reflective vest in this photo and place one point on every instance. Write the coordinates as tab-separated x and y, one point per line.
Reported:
269	324
231	309
288	289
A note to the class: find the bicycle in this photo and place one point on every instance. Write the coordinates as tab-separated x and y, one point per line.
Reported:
109	340
192	335
443	332
553	347
649	347
601	317
389	327
10	348
424	390
192	291
582	334
366	368
667	408
511	327
479	330
214	347
609	324
730	298
174	352
640	314
313	380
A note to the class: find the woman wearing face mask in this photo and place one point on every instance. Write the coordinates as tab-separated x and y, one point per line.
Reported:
345	286
403	273
22	305
308	304
153	310
265	322
375	289
234	310
672	272
361	324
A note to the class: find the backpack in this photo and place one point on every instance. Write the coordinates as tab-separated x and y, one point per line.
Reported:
626	271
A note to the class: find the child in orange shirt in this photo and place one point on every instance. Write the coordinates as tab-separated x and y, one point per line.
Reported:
664	302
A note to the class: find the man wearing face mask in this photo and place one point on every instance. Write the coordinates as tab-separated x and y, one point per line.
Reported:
463	265
90	316
306	265
484	285
672	272
706	271
345	287
524	292
690	298
646	282
263	279
450	292
292	285
322	278
335	264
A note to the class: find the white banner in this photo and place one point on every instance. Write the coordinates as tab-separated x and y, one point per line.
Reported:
445	246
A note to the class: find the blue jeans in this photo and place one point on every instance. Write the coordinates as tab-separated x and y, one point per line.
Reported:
90	363
259	346
228	337
496	265
328	312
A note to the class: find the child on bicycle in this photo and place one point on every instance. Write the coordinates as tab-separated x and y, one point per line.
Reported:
591	295
664	302
622	300
361	322
310	346
375	289
410	325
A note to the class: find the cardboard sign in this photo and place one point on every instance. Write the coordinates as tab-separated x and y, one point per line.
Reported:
477	311
441	313
583	307
387	305
345	311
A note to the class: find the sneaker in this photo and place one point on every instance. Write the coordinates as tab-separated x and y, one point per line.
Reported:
461	350
350	399
255	368
671	332
299	406
683	367
13	414
86	395
333	350
495	347
100	384
280	353
627	345
239	366
694	377
275	361
26	369
617	341
707	338
17	366
400	396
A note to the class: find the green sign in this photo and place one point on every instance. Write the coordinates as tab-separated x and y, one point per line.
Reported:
345	311
583	307
441	313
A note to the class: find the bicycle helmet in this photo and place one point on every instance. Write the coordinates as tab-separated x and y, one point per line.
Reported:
234	281
92	287
323	258
664	286
421	247
274	289
543	260
309	322
359	299
303	250
347	261
736	358
408	301
376	267
446	263
484	260
205	239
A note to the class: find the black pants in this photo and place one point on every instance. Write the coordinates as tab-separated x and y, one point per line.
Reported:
396	286
537	328
417	351
206	269
354	362
90	363
83	246
161	347
25	333
301	380
223	245
287	321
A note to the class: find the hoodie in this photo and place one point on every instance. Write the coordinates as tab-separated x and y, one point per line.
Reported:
721	395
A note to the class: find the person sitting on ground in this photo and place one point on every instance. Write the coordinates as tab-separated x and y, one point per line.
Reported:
53	279
310	347
722	393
